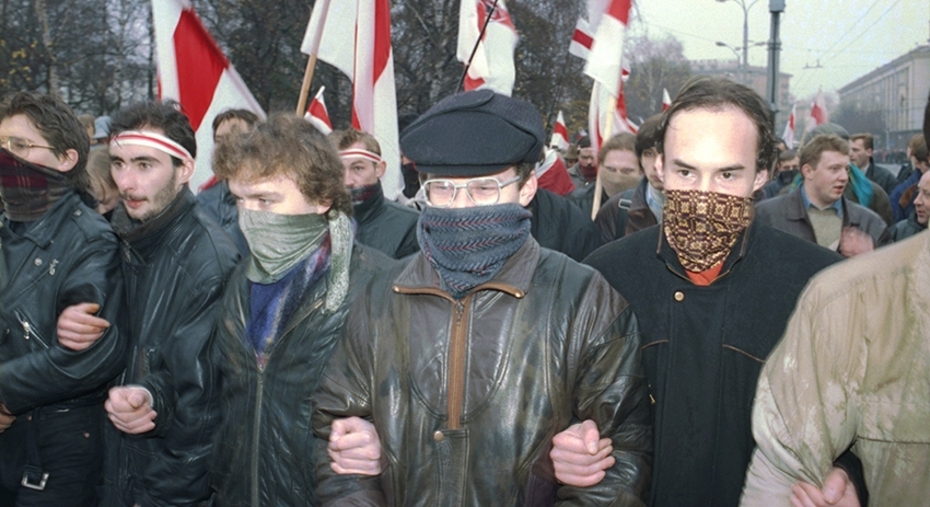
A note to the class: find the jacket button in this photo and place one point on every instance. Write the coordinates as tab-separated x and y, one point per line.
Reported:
438	436
37	262
679	296
77	212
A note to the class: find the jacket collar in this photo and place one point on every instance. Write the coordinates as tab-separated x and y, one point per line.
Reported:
366	210
147	235
514	278
46	228
666	253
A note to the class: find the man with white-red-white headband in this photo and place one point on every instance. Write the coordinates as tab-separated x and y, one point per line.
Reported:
382	224
176	260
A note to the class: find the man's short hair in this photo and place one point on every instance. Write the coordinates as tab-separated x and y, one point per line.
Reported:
921	153
289	145
811	152
786	155
704	92
165	116
623	141
342	139
867	140
915	141
647	137
245	115
584	142
58	125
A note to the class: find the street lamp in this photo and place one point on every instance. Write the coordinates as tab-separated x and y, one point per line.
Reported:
742	4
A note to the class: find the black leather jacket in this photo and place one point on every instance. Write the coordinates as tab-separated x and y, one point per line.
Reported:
220	204
467	394
68	256
387	226
175	267
262	455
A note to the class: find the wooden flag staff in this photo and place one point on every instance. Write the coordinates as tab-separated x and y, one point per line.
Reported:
311	61
598	186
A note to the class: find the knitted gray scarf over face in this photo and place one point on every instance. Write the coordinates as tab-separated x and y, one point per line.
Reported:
468	246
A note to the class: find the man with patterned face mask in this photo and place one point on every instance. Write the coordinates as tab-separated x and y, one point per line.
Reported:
471	356
713	291
56	252
382	224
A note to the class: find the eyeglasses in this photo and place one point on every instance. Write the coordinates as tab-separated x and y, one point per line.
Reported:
481	191
19	146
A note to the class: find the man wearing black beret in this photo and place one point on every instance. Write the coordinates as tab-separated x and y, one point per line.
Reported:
471	356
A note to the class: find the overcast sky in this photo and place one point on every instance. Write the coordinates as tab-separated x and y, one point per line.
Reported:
848	38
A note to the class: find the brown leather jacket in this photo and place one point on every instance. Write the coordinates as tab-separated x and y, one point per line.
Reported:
467	394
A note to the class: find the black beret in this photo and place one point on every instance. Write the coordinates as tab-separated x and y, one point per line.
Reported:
473	134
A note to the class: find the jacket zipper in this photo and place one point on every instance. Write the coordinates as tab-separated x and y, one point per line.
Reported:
456	380
28	331
256	433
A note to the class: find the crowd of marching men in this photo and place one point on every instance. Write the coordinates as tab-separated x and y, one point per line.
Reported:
666	320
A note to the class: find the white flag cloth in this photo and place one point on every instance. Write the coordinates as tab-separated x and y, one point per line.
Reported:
317	114
788	135
581	40
559	134
355	37
194	71
608	20
492	66
666	100
599	115
818	114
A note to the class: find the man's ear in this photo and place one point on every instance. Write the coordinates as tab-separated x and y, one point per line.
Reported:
380	168
762	177
528	190
185	171
68	161
807	170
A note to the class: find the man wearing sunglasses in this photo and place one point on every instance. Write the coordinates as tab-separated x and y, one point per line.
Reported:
56	252
470	357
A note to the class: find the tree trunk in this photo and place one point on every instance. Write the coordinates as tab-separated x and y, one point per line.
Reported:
42	15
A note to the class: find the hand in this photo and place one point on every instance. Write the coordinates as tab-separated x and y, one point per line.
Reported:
130	409
6	418
79	328
854	242
837	490
580	456
354	447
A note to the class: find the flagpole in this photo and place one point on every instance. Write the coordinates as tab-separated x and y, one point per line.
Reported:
598	186
311	61
474	50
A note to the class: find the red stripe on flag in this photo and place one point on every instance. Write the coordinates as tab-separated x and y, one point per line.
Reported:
200	64
561	130
620	9
382	37
472	83
318	110
583	38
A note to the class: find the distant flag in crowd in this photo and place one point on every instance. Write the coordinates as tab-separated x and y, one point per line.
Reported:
818	113
491	63
581	40
788	136
552	174
317	114
666	100
559	134
355	37
193	70
608	20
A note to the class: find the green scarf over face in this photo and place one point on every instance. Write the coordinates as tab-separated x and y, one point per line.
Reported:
280	242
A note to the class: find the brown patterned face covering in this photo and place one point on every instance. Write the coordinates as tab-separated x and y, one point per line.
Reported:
702	227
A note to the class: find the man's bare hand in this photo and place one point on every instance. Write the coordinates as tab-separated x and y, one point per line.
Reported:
6	418
854	242
354	447
580	456
837	491
130	409
79	327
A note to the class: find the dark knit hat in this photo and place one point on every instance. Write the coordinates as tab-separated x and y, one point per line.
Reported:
473	134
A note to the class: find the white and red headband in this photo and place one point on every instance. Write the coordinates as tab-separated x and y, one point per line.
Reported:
151	140
360	153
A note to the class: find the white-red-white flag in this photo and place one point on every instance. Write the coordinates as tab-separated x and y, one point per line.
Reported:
193	70
666	100
582	39
355	37
491	57
317	114
600	122
559	134
788	135
607	20
818	114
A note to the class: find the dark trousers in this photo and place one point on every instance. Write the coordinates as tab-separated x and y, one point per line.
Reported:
69	445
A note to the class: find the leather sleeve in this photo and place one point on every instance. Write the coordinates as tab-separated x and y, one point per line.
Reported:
55	373
186	398
611	389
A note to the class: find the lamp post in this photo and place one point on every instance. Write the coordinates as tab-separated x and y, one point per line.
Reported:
742	4
739	65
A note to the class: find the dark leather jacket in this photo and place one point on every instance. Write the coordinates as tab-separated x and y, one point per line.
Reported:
387	226
175	267
467	394
262	455
68	256
220	205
